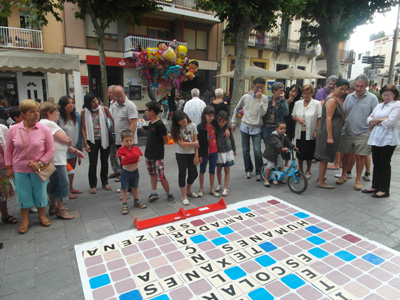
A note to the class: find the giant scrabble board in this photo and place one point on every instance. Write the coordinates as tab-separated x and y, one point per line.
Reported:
258	249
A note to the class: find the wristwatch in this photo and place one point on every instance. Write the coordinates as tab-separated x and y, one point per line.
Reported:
40	164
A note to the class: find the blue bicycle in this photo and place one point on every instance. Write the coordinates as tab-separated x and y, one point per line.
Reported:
296	180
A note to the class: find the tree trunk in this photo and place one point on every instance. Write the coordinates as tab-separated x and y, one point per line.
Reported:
331	50
242	41
103	70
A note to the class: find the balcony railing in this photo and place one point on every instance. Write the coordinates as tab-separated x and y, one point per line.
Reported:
183	4
281	44
134	41
344	56
21	38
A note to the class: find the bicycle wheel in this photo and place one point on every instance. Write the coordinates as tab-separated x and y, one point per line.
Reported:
263	170
298	182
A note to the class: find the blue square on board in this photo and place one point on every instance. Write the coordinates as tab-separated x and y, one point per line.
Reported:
260	294
219	241
225	230
301	215
99	281
197	239
346	256
293	281
316	240
314	229
373	259
235	273
265	260
268	247
131	295
161	297
318	252
244	210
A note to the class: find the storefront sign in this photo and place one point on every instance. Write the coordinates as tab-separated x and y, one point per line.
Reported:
111	61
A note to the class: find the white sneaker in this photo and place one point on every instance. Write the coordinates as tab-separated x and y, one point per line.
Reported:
185	202
118	190
248	175
340	175
367	177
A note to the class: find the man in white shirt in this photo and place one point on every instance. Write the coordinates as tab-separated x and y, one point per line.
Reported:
194	107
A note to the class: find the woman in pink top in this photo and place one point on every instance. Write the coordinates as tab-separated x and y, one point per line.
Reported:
39	144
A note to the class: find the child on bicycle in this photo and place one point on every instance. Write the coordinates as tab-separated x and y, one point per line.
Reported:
277	143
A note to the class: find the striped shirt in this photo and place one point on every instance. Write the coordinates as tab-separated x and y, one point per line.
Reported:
122	114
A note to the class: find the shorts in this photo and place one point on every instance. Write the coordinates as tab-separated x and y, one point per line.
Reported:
31	190
213	157
129	179
156	167
357	144
59	183
270	164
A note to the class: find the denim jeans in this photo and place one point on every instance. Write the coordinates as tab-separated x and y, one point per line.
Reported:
266	132
248	165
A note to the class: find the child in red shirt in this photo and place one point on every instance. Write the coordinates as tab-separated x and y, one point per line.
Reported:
130	156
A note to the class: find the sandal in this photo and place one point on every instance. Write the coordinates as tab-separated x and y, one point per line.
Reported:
9	220
93	191
225	193
52	210
46	222
75	191
199	194
214	193
107	187
118	179
125	209
219	188
64	215
72	196
23	229
192	195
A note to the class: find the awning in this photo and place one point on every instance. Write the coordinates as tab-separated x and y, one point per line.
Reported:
30	61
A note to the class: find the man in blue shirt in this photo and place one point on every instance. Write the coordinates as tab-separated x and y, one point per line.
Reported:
325	91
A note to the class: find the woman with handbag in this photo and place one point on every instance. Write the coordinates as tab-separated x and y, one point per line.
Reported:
29	149
58	188
70	123
96	139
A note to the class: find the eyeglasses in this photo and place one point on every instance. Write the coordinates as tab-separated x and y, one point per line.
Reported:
147	109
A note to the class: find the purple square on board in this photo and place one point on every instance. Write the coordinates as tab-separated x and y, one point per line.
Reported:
250	266
152	253
338	277
333	261
175	256
222	216
381	274
313	220
366	245
291	237
237	226
395	283
140	267
233	237
249	223
292	249
278	255
305	245
262	211
146	245
280	242
246	232
390	267
273	202
125	286
337	231
92	261
356	250
383	253
168	248
396	260
350	271
116	264
210	219
291	218
329	247
206	246
362	264
303	233
162	240
369	281
212	234
233	212
321	267
341	243
264	204
200	287
120	274
181	293
282	206
260	220
214	254
96	270
324	225
164	271
277	288
281	213
351	238
281	221
103	292
309	292
130	250
326	236
258	228
197	222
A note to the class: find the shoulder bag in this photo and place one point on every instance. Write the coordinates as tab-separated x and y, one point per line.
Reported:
44	172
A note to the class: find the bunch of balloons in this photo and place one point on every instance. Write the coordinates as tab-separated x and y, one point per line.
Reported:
164	67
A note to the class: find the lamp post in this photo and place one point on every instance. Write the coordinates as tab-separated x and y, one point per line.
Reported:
394	48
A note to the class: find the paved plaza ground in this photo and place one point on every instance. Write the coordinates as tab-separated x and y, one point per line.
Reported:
42	265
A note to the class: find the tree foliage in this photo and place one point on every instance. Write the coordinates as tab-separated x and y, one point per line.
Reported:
334	21
102	13
241	17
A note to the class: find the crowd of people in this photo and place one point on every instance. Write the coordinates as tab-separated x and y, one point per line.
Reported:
334	126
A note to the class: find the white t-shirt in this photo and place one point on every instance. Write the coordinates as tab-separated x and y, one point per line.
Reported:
194	108
187	134
60	154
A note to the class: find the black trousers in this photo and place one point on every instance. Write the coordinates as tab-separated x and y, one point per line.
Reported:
93	156
381	157
185	162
